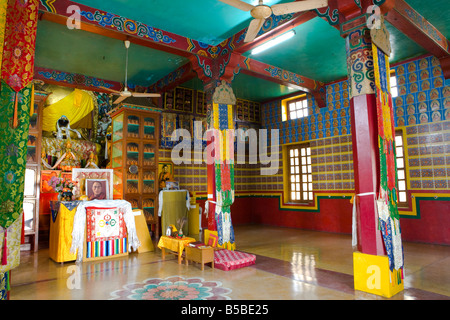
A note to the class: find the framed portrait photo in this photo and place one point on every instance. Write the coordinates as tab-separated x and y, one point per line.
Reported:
80	175
165	173
97	189
172	185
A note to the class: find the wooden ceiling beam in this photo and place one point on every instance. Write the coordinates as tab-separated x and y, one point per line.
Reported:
174	79
275	74
75	80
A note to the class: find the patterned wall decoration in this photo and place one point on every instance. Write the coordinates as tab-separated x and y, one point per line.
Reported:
422	91
247	178
334	120
422	110
332	163
428	156
422	97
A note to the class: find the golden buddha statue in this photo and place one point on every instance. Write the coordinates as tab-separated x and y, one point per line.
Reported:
92	161
68	159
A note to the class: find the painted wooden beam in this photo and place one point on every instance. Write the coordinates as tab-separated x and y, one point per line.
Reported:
75	80
416	27
174	78
445	65
279	75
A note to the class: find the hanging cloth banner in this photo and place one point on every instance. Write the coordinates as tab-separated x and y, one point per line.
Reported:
19	38
13	151
387	199
74	106
224	171
19	44
10	239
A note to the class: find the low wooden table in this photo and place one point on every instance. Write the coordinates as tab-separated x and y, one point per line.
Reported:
200	255
175	246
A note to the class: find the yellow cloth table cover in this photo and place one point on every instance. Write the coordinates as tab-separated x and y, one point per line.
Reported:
61	225
174	244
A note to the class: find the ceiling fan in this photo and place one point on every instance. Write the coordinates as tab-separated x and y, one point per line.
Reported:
261	12
125	93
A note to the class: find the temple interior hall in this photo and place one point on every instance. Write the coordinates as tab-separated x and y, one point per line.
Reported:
213	150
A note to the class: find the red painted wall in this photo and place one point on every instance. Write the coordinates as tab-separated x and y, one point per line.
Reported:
433	225
335	215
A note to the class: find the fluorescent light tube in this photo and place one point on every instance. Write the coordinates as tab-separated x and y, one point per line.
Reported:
274	42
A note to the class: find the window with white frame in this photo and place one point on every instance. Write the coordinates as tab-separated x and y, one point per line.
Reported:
393	84
300	173
401	168
294	108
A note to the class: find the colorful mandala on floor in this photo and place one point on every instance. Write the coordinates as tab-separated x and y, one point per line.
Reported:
172	288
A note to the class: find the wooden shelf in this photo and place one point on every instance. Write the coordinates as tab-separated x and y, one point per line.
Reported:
137	144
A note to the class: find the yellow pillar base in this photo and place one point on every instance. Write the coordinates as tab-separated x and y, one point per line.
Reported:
371	274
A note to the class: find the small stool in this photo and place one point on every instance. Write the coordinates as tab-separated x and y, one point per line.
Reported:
200	255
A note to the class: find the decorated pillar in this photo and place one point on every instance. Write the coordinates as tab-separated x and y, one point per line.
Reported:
18	22
220	149
378	256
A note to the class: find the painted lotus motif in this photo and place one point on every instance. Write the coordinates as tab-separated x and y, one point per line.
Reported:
173	288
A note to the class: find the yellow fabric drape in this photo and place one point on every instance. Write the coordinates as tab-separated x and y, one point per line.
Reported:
174	208
75	107
3	7
61	235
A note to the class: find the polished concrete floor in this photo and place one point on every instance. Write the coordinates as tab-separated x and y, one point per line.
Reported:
291	264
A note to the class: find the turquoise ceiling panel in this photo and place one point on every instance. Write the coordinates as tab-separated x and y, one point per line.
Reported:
208	21
256	89
317	51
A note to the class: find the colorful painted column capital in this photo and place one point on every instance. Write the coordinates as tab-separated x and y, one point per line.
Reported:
358	45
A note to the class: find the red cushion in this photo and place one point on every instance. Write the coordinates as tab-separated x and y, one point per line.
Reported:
229	260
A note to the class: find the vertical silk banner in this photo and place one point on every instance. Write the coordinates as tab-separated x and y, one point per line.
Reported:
387	201
18	25
224	173
19	44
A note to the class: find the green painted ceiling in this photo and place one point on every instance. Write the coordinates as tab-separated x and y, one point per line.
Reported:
90	54
317	51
